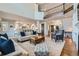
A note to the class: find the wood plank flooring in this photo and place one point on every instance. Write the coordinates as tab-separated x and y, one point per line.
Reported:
69	48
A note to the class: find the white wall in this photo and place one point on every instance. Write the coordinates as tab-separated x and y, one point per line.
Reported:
38	15
26	10
75	29
67	24
45	28
64	23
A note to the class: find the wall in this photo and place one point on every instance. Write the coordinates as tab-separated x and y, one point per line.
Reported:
38	15
22	9
45	28
63	23
17	26
67	24
8	19
75	29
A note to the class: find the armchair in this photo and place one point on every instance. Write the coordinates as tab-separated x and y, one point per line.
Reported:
18	51
59	35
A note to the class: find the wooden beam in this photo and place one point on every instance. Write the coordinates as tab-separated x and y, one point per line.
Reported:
68	9
50	15
64	11
63	7
53	8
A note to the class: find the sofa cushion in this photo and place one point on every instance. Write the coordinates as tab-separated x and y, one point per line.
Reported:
34	32
22	33
3	37
7	47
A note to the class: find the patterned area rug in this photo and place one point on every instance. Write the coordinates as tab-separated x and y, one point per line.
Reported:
54	48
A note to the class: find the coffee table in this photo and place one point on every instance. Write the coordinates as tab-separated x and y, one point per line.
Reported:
37	39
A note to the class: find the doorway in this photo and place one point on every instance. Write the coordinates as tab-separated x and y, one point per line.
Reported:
52	28
42	29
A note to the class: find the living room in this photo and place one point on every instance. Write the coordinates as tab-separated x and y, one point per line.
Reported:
37	31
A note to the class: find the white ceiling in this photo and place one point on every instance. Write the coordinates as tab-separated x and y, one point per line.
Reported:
49	8
46	6
21	9
28	9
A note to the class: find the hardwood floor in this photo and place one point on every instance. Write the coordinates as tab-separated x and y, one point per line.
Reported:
54	48
69	48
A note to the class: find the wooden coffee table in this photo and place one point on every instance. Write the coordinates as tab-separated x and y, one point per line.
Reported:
37	39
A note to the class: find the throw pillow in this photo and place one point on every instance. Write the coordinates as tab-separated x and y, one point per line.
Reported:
7	47
22	33
4	35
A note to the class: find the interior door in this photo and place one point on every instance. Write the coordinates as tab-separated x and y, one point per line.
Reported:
42	29
52	28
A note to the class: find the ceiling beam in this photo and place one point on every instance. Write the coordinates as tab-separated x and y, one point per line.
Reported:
50	15
53	8
63	6
68	9
64	10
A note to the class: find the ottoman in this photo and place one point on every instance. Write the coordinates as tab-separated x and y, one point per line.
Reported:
41	50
